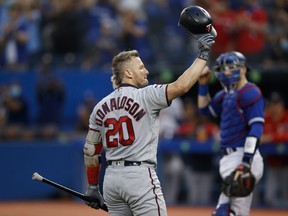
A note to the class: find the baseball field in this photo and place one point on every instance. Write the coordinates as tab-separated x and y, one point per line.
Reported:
71	208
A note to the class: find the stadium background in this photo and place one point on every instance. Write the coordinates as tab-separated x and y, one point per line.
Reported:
83	71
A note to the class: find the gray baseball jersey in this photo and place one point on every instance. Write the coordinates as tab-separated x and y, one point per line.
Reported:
128	120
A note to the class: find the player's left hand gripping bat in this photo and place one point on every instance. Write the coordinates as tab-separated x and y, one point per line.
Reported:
40	178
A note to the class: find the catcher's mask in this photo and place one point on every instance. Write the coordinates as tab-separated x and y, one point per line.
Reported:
227	69
196	20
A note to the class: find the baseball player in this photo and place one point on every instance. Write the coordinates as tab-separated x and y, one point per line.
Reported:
240	107
126	124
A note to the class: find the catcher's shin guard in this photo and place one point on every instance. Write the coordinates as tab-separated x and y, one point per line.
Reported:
223	210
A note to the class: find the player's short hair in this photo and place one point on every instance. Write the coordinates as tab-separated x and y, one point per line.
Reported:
117	66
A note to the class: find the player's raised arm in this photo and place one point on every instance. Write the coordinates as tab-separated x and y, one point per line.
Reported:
202	30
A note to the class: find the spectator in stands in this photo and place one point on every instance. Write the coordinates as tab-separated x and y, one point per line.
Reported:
277	36
173	165
84	110
187	127
276	133
16	107
224	19
101	35
103	47
33	16
134	28
50	101
66	32
198	166
3	112
251	23
13	39
178	45
158	12
4	11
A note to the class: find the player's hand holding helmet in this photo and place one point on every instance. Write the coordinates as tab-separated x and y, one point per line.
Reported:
93	192
204	45
198	22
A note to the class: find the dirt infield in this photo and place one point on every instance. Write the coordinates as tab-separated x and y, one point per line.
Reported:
70	208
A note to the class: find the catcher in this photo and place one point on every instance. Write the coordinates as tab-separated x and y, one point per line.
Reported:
240	108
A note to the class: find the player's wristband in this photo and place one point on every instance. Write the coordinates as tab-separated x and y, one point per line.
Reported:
93	174
247	159
203	90
250	147
204	55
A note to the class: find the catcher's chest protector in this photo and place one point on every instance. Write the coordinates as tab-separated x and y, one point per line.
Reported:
232	119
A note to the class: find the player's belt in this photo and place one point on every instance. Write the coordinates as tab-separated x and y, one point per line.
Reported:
226	151
128	163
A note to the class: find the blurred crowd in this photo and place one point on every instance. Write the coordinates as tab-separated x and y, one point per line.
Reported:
15	122
87	33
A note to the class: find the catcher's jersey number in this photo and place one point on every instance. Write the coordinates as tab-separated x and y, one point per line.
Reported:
123	127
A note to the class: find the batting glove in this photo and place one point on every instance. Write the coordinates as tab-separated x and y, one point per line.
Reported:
204	45
93	192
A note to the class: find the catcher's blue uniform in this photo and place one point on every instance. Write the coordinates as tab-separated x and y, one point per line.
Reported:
241	115
238	111
240	107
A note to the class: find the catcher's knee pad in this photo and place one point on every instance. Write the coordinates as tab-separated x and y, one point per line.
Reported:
223	210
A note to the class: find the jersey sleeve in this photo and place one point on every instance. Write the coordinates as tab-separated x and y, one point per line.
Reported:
253	104
249	95
93	120
155	97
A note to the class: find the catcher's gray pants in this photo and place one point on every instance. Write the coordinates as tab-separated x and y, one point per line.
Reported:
228	163
133	190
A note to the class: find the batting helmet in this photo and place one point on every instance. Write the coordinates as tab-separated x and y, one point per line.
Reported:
196	20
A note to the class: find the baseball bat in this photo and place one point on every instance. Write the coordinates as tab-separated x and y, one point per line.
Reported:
40	178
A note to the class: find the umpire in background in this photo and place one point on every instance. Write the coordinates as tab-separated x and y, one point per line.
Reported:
240	107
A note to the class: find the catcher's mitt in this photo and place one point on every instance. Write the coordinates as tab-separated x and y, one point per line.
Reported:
242	186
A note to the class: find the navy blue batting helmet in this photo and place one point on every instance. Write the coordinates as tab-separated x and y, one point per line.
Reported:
196	20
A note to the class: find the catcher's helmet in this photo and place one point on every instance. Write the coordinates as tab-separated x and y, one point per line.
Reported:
196	20
229	60
232	61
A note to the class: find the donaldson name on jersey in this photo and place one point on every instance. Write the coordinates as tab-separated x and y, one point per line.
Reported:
126	103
